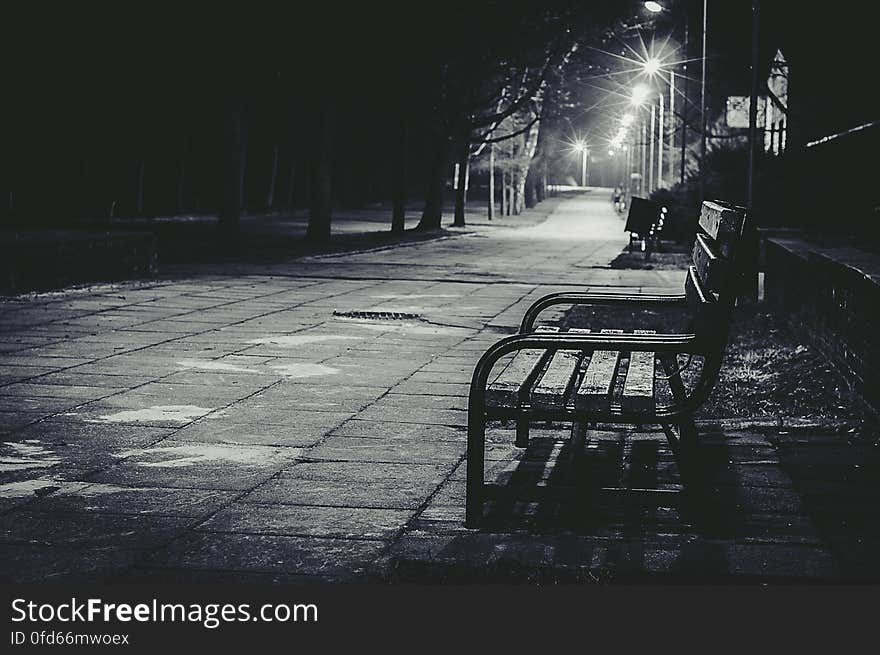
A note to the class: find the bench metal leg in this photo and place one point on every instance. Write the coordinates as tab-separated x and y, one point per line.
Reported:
686	438
475	461
578	436
684	447
687	431
522	433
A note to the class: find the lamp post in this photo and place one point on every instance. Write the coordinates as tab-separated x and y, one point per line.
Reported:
639	95
620	146
651	146
684	107
653	67
753	105
584	150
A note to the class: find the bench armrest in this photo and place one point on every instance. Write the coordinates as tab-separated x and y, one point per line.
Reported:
645	301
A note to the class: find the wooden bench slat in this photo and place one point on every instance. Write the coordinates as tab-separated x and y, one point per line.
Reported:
711	268
594	391
704	304
723	224
512	381
551	387
696	294
638	389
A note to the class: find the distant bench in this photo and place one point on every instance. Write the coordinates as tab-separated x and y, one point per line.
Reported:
610	376
644	222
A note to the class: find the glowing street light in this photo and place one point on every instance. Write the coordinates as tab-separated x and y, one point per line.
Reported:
639	95
652	66
654	7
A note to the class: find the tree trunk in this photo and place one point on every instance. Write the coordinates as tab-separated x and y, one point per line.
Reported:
518	188
541	188
461	187
531	193
537	167
241	191
398	181
511	177
140	188
321	174
181	180
491	181
432	213
84	189
291	183
230	208
503	192
270	197
307	182
524	162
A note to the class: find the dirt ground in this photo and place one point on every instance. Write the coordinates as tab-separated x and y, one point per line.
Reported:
678	259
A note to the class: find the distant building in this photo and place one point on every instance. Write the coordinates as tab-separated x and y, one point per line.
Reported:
772	109
776	106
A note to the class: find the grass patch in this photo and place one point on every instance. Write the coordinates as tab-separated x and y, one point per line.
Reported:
658	261
769	374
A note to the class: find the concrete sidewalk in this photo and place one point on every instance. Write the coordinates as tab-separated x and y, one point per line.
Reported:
242	427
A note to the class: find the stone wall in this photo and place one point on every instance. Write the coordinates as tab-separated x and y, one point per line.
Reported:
831	296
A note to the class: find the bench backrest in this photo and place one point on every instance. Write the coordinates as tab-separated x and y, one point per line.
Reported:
715	277
643	214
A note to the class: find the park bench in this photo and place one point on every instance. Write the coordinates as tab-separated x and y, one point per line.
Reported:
587	377
644	222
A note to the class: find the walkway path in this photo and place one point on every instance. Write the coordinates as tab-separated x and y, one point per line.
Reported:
242	427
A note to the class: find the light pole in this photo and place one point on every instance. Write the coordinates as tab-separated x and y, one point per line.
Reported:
653	67
703	117
753	105
644	149
584	150
651	146
639	95
617	144
684	106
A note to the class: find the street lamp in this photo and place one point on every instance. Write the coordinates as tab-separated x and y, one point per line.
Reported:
639	95
652	66
584	150
654	7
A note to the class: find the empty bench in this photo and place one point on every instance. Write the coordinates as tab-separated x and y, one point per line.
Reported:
644	222
586	376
